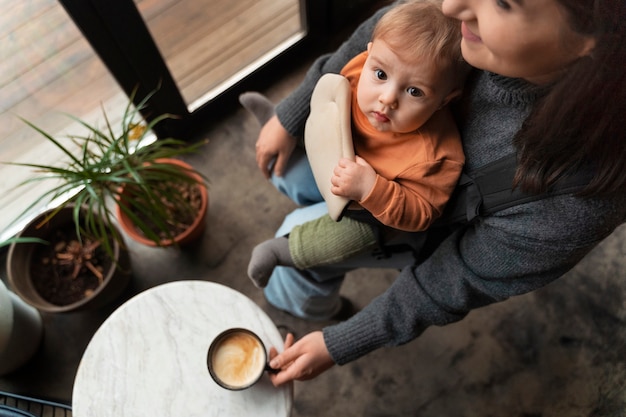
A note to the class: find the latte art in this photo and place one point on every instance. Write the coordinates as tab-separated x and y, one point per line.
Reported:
238	359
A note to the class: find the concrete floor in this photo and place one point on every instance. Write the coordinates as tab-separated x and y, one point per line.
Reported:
558	352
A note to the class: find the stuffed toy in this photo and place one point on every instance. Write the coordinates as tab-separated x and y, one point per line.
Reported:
328	136
327	133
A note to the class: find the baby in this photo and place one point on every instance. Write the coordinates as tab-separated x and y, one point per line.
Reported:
408	149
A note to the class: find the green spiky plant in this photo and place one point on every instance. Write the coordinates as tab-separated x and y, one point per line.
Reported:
101	162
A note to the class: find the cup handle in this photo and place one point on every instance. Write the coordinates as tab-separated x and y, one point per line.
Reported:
271	370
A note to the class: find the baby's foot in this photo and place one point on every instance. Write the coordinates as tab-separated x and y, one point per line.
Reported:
257	104
265	256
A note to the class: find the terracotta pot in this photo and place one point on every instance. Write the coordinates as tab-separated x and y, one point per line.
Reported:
19	261
193	233
21	331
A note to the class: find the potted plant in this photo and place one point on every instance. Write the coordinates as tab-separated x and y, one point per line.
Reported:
109	172
56	267
167	208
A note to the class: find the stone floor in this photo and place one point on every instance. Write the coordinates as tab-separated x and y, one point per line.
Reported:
557	352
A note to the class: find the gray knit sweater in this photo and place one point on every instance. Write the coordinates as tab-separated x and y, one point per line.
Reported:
515	251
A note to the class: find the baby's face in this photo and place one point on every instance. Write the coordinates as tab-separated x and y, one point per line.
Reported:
399	94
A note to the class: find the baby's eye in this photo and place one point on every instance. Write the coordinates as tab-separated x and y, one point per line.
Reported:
380	74
415	92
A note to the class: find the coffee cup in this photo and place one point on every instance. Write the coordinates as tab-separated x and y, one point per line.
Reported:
237	359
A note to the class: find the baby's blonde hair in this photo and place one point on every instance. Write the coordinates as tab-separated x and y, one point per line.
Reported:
421	30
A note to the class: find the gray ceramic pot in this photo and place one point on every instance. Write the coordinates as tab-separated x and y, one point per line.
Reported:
19	260
21	330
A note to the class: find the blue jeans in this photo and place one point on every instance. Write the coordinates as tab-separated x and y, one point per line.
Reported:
313	294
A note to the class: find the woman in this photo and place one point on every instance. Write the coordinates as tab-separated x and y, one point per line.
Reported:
549	84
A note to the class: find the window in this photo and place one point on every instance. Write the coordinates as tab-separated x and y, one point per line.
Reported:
48	69
80	56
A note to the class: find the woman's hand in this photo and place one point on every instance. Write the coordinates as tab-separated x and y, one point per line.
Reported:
353	180
273	148
305	359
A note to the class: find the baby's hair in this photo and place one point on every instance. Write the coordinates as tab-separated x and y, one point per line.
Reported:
421	30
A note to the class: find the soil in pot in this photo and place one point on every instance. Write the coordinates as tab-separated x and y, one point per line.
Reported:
64	271
187	218
181	219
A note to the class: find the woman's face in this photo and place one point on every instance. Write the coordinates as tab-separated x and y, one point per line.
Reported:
528	39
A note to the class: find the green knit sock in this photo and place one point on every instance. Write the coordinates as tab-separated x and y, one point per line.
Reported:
323	241
257	104
265	256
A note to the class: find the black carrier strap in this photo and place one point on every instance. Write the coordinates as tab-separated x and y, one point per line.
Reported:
477	194
490	189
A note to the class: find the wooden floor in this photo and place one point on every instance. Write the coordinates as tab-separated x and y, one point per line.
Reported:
49	69
210	41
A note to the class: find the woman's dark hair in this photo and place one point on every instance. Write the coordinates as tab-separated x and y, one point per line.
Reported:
582	121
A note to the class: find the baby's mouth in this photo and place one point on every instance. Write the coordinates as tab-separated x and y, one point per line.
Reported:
380	117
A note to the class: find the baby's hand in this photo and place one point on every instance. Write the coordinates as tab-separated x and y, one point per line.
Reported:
353	180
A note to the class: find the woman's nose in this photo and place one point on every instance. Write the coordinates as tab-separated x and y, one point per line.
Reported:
458	9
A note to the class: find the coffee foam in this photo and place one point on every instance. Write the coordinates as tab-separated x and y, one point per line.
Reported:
238	359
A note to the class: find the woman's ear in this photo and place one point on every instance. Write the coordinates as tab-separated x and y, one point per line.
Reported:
587	46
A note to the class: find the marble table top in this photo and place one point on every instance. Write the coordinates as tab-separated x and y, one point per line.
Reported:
149	357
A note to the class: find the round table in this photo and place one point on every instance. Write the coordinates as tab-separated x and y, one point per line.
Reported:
149	357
